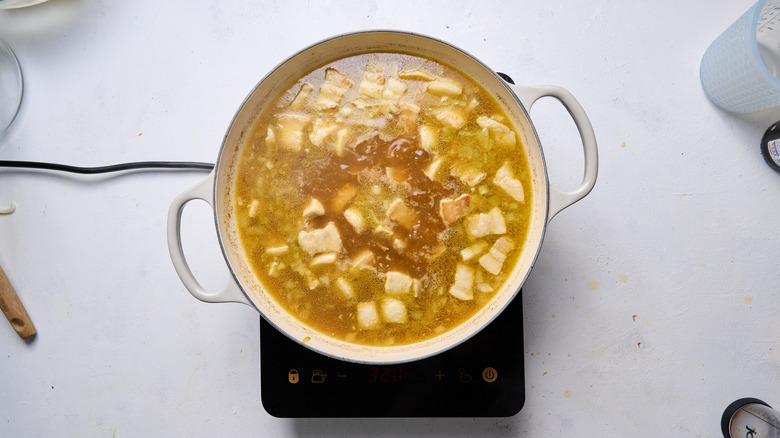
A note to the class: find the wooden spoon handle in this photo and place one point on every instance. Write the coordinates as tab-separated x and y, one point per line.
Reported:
13	308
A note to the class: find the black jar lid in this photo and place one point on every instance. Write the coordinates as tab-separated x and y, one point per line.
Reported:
725	421
770	146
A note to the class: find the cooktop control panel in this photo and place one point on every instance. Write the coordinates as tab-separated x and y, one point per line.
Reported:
483	377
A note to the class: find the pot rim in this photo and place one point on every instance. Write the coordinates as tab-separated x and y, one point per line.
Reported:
494	312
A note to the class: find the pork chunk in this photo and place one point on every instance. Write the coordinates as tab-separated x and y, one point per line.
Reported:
482	224
291	131
343	137
464	282
451	210
468	174
321	130
493	261
300	98
454	117
500	132
394	89
373	84
505	179
333	89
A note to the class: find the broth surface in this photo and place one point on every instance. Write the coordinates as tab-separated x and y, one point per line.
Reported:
382	199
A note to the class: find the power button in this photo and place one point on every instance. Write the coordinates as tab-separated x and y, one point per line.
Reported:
489	374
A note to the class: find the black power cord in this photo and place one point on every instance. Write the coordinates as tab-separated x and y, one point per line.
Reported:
138	165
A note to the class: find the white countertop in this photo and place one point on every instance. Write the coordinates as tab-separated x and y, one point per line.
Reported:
654	303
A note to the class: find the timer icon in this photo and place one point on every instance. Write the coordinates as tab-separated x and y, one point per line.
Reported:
489	374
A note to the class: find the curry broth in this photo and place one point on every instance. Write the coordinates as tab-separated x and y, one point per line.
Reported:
383	199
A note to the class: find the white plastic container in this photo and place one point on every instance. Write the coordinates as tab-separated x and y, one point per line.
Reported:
13	4
739	71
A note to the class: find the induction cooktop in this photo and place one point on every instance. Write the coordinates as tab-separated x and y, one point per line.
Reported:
482	377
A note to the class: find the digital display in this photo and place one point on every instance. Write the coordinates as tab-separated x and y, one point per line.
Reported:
385	374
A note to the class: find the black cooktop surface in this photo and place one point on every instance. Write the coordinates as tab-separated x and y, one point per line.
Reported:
483	377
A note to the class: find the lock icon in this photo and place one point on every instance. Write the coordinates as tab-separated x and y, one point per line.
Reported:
293	376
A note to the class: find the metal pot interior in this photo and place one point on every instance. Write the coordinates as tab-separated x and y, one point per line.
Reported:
282	77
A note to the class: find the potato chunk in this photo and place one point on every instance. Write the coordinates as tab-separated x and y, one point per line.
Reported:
416	75
451	210
464	281
393	310
314	209
407	121
277	249
367	315
356	219
429	138
345	288
327	258
473	250
443	87
493	261
364	260
254	208
505	179
325	239
482	224
343	197
396	175
398	283
432	170
270	135
403	215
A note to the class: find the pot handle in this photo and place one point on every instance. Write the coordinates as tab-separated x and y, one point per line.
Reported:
230	293
558	199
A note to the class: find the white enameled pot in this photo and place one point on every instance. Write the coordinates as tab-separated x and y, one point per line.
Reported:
218	190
